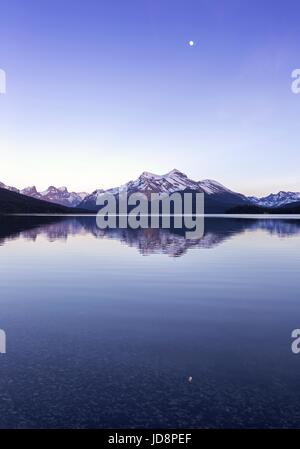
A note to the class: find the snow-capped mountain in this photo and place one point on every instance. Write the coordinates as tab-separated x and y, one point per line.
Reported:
59	195
174	181
12	189
62	196
89	202
212	187
31	191
276	199
148	183
218	198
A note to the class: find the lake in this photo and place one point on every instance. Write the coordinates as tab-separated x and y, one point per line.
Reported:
104	328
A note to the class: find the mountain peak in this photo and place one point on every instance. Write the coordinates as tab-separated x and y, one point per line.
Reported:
55	195
175	171
210	186
276	199
50	188
29	191
12	189
147	174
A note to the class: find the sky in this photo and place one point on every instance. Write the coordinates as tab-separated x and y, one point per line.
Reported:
99	91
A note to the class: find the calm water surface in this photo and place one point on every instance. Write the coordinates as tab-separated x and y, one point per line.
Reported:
104	328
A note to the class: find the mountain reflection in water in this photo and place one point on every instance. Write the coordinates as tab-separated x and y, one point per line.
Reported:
146	241
100	337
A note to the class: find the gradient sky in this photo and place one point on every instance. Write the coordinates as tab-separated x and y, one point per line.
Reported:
100	90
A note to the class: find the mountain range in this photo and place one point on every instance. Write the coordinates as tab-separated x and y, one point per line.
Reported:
276	199
56	195
218	198
12	202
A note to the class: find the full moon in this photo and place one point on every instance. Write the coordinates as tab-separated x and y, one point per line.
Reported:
191	43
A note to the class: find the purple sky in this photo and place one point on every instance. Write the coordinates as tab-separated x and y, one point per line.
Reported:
99	91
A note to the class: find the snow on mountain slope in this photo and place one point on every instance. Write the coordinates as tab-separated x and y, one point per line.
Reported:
62	196
212	187
59	195
173	181
147	183
12	189
31	191
89	202
276	199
